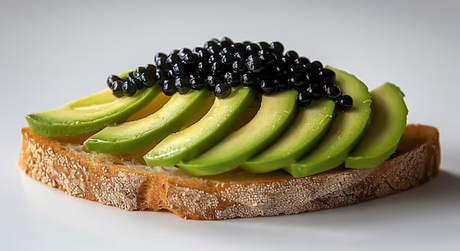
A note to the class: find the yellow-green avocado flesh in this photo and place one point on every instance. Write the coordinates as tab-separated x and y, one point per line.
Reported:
133	135
276	113
204	134
89	113
345	131
382	135
309	128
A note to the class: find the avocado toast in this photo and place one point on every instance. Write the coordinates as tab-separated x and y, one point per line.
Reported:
247	131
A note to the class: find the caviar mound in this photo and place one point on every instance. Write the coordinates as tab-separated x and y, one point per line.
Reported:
220	65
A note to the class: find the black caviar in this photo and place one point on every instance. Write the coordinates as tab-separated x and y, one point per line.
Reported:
222	64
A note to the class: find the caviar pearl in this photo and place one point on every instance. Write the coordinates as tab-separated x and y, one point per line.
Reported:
277	48
147	79
128	88
232	79
196	82
238	46
263	45
333	91
316	90
182	85
116	88
160	59
345	102
228	59
304	99
168	87
252	48
222	90
138	71
211	81
327	74
239	66
150	68
248	78
267	86
214	49
111	79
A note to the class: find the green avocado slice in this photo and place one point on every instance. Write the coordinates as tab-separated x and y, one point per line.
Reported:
345	131
309	128
204	134
276	113
382	135
137	134
89	113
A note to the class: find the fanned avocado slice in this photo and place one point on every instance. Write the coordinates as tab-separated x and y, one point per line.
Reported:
382	135
89	113
344	134
309	128
134	135
204	134
275	115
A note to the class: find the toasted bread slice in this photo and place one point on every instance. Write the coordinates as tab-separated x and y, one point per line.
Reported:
124	182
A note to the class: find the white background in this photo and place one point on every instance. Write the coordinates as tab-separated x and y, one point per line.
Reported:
52	52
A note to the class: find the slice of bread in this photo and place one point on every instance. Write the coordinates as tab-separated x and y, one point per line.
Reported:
124	182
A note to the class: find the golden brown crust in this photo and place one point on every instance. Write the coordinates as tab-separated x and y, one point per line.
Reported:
110	180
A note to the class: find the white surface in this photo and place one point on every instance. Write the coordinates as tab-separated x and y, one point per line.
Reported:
52	52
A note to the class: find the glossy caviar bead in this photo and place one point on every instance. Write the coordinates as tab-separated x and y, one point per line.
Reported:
345	102
116	88
326	74
304	99
179	69
263	45
232	79
302	61
161	81
224	44
228	59
209	44
160	59
147	79
291	55
333	91
138	83
129	88
190	58
312	68
241	55
222	90
248	79
228	50
170	73
267	86
239	47
138	71
297	69
211	81
239	66
202	67
315	90
196	82
246	43
252	48
160	74
182	85
255	64
318	64
168	87
202	54
280	68
227	39
151	68
172	58
111	79
277	48
214	58
214	49
182	52
267	56
217	67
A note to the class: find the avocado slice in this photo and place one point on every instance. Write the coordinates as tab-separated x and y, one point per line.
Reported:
204	134
309	128
276	113
345	131
382	135
133	135
89	113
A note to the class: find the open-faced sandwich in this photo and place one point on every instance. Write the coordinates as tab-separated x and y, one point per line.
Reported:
231	130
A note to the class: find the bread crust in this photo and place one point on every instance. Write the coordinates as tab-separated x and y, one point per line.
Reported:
124	183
